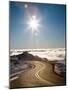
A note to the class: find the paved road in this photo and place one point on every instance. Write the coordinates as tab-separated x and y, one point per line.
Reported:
33	77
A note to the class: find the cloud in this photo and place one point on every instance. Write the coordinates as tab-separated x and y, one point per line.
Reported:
50	54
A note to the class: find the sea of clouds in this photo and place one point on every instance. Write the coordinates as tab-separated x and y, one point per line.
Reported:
50	54
53	54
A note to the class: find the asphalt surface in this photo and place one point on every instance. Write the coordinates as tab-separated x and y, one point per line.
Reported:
36	76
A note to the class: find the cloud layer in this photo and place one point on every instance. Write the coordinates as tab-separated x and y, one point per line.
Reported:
50	54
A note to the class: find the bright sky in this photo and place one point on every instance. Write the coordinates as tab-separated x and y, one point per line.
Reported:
34	25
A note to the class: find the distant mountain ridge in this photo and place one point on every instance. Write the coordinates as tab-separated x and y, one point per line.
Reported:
24	56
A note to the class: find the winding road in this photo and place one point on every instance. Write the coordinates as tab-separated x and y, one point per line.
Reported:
36	76
40	78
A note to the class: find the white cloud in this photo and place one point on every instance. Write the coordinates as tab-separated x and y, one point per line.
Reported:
50	54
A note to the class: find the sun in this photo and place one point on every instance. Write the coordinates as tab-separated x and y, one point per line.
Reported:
33	23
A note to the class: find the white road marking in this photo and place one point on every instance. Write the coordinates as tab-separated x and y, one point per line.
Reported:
17	73
37	75
14	78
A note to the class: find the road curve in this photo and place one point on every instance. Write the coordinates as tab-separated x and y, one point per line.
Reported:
40	78
33	77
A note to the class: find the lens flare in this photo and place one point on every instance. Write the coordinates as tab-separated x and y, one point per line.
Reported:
33	23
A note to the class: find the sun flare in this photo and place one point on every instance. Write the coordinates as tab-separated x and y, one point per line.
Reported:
33	23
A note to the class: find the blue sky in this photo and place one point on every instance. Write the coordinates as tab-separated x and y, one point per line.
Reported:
51	29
